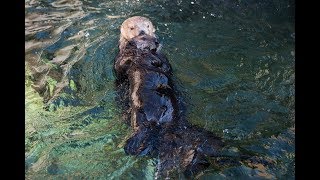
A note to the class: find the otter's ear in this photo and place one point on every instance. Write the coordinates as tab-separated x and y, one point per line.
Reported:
121	30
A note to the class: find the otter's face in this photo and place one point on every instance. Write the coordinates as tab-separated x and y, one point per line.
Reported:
135	26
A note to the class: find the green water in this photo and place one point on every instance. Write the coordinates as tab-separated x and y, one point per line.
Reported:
233	61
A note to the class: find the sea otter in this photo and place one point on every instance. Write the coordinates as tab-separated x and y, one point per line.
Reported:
151	105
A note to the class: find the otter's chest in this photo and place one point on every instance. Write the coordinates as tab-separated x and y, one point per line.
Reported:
151	62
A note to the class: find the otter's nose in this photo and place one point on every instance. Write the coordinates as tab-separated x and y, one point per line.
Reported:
142	33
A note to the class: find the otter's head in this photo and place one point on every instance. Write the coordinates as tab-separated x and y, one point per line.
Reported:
135	26
139	30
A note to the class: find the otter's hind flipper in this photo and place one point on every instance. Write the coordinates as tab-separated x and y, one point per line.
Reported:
143	142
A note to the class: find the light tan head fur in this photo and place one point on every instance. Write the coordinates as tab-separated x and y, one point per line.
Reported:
133	27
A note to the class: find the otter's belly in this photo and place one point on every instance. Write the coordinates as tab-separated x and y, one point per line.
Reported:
150	98
156	107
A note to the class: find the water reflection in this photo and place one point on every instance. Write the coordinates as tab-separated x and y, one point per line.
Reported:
233	61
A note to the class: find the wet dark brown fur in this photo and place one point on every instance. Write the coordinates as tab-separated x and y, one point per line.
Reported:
150	103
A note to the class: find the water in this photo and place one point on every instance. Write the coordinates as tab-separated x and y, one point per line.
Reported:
234	62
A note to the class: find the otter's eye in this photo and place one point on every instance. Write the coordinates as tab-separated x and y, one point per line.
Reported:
148	26
132	28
